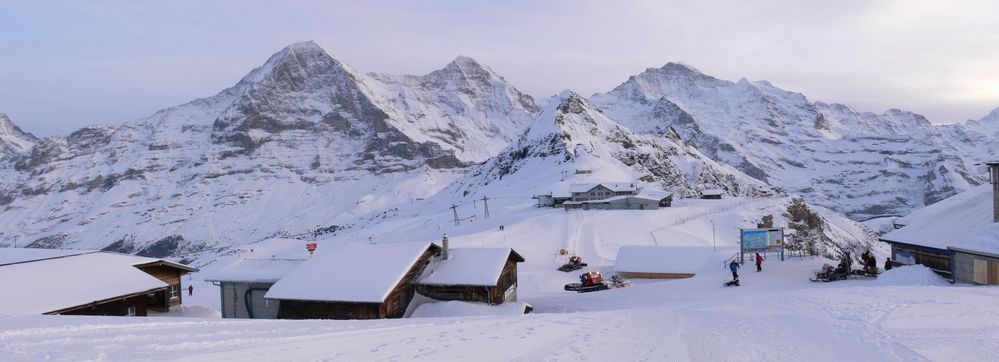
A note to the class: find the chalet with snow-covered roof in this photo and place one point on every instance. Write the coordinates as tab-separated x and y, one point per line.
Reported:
600	191
361	281
43	281
713	194
661	262
243	285
487	275
957	237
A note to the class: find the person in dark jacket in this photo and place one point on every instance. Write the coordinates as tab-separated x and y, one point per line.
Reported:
888	264
734	267
872	264
759	263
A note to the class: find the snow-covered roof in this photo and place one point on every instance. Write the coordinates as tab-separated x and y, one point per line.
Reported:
654	194
713	192
255	270
53	284
21	255
469	266
661	259
355	273
613	186
984	239
948	222
976	200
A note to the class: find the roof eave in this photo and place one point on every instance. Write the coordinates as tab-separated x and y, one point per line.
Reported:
103	301
968	251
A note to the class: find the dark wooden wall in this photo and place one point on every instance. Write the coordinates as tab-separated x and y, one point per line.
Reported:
169	275
475	293
311	309
113	308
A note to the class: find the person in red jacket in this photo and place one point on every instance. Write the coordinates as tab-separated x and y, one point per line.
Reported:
190	290
759	262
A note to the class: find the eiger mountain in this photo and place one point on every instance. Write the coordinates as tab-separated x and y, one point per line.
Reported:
862	164
305	145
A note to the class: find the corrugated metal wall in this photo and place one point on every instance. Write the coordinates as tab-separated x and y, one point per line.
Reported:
234	304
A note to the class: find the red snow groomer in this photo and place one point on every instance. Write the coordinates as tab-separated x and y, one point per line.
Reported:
590	281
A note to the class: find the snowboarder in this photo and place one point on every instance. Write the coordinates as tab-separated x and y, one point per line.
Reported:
759	263
190	290
888	264
734	267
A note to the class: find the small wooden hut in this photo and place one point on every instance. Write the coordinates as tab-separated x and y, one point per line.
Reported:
361	281
487	275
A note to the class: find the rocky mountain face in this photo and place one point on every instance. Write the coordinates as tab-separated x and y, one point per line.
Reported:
12	139
299	145
465	106
862	164
571	141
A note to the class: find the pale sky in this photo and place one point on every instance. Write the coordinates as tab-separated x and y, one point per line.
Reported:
64	65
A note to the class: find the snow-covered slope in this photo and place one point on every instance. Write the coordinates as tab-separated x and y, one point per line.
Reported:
12	139
570	134
861	164
301	143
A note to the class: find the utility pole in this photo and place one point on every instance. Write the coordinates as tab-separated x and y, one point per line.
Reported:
564	173
455	209
485	200
714	242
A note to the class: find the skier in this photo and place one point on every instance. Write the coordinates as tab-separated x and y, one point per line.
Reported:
734	267
190	290
888	264
759	263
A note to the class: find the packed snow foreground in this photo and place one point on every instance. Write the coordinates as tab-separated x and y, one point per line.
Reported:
776	314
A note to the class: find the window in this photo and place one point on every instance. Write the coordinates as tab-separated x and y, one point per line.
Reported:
130	312
174	292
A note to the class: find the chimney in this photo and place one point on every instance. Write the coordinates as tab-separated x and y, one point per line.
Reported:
994	179
444	246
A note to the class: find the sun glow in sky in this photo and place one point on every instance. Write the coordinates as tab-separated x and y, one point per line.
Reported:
64	65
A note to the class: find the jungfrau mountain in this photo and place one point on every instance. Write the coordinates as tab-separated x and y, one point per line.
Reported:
862	164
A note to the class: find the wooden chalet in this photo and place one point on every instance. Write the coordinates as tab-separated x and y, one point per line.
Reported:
75	282
362	281
957	237
487	275
712	194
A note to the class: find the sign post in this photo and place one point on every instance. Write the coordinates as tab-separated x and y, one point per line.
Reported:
757	240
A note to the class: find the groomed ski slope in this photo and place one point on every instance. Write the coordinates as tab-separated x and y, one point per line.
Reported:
775	315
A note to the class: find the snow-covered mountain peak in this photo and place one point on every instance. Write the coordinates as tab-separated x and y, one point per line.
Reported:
571	119
670	79
12	139
466	65
306	57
